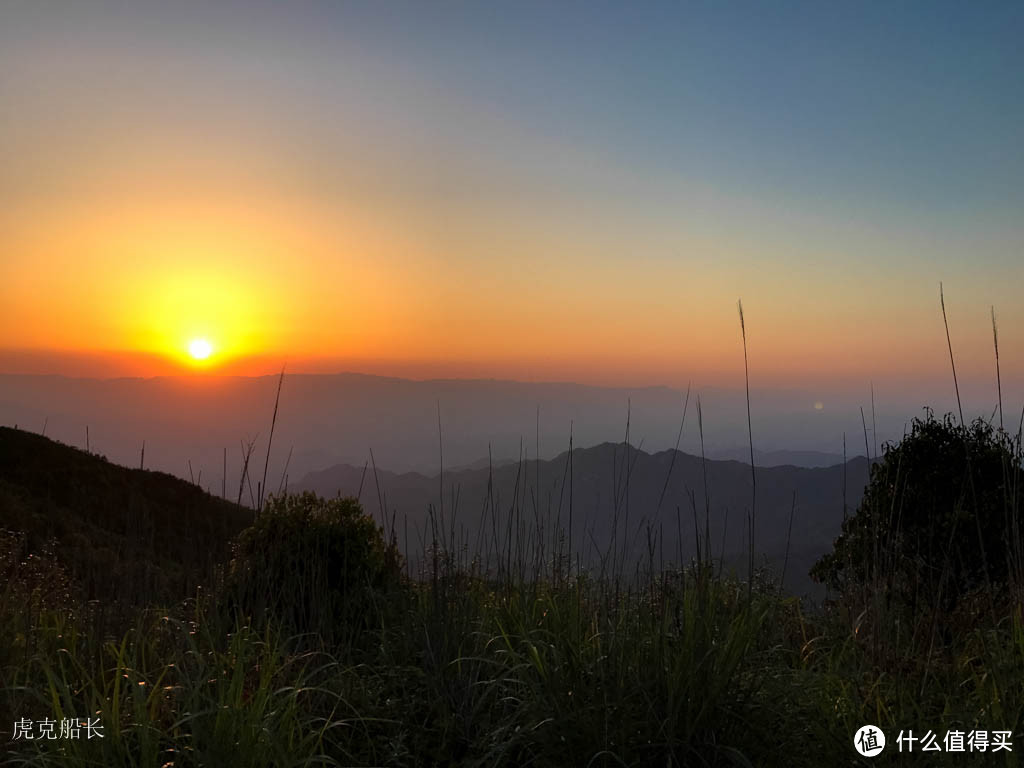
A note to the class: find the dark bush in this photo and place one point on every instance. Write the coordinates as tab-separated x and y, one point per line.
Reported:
314	565
939	518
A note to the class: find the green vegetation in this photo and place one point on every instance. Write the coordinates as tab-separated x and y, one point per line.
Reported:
938	519
128	535
309	565
310	647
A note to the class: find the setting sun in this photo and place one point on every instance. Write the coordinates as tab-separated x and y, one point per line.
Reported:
200	349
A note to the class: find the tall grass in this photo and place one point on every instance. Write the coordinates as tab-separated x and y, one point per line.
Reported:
470	671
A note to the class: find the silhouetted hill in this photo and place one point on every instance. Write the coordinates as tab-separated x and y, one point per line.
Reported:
121	533
615	496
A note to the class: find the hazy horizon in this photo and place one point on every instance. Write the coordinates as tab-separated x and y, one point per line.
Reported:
328	419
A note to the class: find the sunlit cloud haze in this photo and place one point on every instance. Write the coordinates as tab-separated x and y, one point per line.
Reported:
531	190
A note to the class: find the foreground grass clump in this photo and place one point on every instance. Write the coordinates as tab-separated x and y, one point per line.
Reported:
571	674
464	669
541	675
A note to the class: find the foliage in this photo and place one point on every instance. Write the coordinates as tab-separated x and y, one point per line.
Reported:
130	535
313	565
562	674
939	518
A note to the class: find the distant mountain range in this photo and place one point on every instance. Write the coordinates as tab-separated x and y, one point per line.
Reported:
615	491
194	427
612	506
339	418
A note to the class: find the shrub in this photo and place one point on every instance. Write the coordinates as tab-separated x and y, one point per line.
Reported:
939	518
313	565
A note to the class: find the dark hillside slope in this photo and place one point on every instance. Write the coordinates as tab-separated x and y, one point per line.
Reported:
120	533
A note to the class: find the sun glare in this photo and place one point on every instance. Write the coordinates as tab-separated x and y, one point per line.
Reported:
200	349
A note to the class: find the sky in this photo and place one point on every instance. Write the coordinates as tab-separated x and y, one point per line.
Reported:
537	191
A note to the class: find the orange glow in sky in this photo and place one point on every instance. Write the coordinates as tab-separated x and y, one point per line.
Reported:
268	282
537	207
